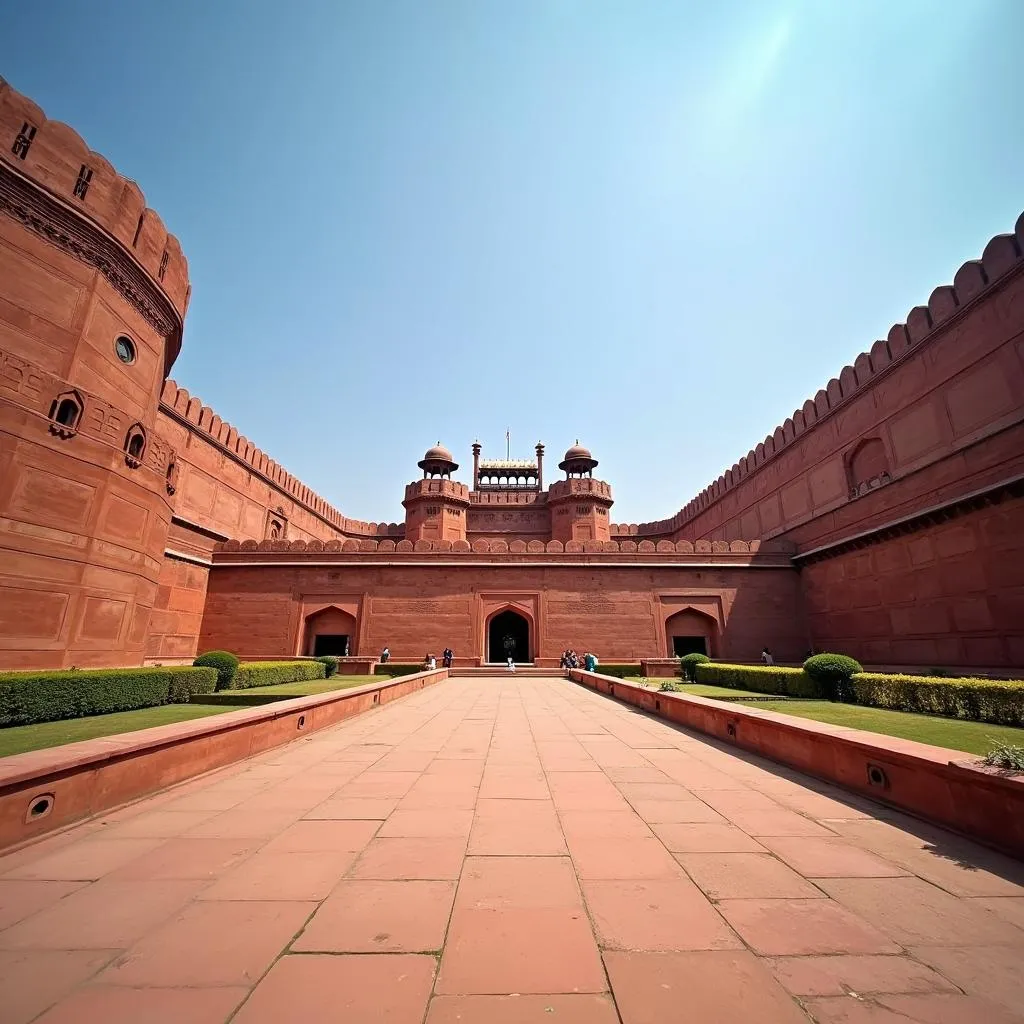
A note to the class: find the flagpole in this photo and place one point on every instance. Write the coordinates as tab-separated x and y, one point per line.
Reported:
508	445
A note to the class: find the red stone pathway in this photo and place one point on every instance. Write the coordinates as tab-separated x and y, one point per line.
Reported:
499	851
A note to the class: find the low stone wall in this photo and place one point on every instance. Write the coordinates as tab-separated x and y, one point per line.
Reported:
930	782
44	790
659	668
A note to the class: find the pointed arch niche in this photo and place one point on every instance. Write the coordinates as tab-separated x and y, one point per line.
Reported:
690	630
331	630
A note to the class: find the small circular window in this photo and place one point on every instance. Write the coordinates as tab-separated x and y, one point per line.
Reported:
125	349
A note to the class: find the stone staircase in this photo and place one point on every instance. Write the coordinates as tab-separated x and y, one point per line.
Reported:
500	670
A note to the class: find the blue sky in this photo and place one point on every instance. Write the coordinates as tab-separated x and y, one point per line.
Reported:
657	227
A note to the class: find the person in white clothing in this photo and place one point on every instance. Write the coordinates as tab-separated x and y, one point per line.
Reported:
511	664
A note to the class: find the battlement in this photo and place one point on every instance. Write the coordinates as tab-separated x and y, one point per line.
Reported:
1003	256
579	487
515	547
435	487
177	402
53	155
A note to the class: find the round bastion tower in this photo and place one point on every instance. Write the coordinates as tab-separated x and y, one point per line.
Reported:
93	293
579	504
435	507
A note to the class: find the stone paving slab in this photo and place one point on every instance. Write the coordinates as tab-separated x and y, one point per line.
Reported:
505	851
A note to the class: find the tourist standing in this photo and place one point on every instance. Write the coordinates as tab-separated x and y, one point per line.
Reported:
447	657
766	657
589	661
511	664
384	655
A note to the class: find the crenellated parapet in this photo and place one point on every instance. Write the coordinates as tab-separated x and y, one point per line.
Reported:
973	282
663	548
55	185
190	411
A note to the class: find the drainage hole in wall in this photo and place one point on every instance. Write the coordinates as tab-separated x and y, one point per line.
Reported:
302	721
657	705
376	698
877	777
39	807
731	729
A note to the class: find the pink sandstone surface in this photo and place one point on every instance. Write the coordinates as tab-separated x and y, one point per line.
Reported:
508	850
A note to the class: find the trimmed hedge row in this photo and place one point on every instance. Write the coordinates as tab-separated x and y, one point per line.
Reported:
978	700
29	697
787	682
396	668
270	673
619	670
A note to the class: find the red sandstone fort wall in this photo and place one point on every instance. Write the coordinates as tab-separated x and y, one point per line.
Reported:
82	520
949	594
618	611
948	382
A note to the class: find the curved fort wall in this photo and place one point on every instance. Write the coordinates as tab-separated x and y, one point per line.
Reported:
84	509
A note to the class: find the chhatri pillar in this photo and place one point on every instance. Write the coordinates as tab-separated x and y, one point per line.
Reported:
579	504
435	507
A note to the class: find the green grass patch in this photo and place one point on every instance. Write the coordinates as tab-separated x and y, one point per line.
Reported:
955	734
21	738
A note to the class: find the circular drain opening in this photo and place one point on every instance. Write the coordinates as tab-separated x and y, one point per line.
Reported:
877	777
39	807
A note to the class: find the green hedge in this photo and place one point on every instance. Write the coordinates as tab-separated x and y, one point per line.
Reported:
28	697
787	682
620	670
270	673
978	700
396	668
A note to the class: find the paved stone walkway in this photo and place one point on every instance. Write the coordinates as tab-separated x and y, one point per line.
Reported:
499	851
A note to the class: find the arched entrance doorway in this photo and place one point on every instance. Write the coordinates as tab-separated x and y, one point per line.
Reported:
690	632
331	631
508	632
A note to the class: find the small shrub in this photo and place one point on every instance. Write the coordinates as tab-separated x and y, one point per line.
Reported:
330	664
271	673
688	662
1006	755
670	686
29	697
224	662
786	682
833	672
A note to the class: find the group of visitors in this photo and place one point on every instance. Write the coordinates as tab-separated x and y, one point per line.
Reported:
447	659
570	659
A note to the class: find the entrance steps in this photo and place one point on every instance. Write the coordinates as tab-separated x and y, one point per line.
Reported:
477	672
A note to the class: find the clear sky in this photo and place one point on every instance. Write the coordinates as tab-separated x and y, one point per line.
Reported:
657	227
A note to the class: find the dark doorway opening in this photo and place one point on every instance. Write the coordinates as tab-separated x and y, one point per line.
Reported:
689	645
330	643
508	634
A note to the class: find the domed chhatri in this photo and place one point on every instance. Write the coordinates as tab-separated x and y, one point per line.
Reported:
438	462
578	461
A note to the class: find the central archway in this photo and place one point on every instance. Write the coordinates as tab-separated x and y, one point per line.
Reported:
508	632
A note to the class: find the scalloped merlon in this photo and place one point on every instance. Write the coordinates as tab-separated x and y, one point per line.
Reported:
114	203
1002	255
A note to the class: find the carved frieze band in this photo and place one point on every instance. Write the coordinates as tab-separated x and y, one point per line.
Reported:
33	207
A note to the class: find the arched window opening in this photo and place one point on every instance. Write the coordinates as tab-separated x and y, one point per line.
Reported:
66	414
135	445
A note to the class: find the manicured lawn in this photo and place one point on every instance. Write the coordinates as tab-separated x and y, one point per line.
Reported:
697	689
973	737
21	738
